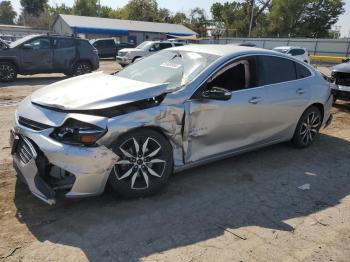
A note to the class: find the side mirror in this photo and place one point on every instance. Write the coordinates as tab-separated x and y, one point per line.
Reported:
217	93
26	46
152	49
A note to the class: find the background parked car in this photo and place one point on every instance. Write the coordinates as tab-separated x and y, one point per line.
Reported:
36	54
341	81
298	52
108	47
130	55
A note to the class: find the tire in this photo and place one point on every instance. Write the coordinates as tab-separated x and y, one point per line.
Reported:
145	173
8	72
308	128
81	68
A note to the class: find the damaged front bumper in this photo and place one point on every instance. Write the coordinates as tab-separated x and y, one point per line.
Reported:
48	167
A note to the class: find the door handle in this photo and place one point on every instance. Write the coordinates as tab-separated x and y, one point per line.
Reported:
300	91
254	100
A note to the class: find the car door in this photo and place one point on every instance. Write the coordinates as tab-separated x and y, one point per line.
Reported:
110	48
37	55
64	54
287	94
216	126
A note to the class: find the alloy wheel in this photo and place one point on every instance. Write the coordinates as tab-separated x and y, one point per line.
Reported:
82	68
140	162
309	128
7	72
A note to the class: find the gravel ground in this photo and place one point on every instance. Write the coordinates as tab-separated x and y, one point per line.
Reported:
245	208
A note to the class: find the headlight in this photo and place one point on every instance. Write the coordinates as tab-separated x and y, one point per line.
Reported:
75	132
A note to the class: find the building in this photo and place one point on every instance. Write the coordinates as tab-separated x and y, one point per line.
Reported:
122	30
13	32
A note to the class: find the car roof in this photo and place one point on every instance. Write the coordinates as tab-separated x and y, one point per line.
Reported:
289	47
222	50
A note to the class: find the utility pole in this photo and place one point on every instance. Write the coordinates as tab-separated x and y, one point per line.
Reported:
251	18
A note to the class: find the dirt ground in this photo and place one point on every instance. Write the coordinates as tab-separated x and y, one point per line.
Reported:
245	208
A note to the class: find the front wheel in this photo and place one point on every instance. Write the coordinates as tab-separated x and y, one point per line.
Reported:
308	128
8	72
145	164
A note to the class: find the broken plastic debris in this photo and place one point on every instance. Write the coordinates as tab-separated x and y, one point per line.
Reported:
304	187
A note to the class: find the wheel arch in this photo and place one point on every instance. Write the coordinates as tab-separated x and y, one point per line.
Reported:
319	106
136	57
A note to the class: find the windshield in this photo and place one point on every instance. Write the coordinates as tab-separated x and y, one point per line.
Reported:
281	50
144	45
21	40
175	68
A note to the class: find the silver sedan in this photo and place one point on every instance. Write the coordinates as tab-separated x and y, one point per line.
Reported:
176	109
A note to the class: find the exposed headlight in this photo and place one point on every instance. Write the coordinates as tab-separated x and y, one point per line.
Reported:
75	132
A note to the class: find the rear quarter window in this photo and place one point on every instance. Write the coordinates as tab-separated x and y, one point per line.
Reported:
294	52
302	71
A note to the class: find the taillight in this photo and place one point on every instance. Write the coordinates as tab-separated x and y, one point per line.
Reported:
94	50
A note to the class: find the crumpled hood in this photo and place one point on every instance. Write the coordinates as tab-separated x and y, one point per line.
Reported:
344	68
95	91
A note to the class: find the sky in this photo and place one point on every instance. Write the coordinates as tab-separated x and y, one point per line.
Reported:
186	5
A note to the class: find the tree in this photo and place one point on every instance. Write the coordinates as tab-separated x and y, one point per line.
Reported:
7	13
142	10
105	11
34	7
286	17
61	9
164	15
236	16
320	16
307	18
85	7
198	21
180	18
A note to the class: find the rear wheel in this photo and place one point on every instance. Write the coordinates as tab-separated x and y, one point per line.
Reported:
145	163
308	128
8	72
81	68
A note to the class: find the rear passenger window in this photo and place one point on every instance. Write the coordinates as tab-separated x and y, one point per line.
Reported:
60	43
277	69
295	52
302	71
164	45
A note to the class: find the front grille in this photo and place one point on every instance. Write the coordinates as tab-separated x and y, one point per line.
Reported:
32	124
25	150
342	79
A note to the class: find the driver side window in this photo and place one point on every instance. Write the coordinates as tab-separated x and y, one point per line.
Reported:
38	43
236	76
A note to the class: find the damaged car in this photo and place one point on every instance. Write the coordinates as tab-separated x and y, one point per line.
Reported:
341	81
180	108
